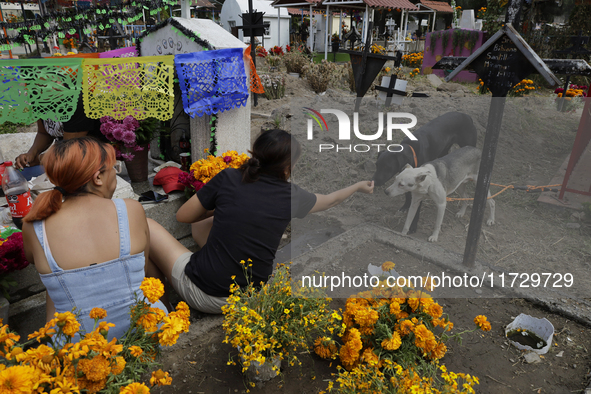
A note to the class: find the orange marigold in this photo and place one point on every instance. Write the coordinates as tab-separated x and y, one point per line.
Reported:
95	369
325	347
152	288
67	322
392	343
97	313
482	323
160	378
135	388
135	351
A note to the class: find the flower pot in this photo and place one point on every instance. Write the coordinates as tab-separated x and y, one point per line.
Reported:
4	306
262	373
137	169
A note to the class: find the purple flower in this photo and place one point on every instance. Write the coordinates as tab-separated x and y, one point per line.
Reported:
127	156
128	137
118	132
107	128
138	148
131	123
227	159
107	119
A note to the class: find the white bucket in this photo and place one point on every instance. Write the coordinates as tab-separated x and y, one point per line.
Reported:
541	327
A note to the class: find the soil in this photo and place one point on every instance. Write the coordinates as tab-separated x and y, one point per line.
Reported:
527	237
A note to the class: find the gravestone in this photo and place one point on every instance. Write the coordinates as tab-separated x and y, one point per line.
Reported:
178	36
467	21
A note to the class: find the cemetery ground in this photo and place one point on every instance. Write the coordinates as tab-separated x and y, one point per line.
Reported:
528	237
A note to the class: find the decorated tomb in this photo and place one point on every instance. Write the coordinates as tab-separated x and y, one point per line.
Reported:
212	96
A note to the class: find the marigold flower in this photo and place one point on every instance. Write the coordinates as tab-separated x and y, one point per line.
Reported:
387	266
135	388
325	347
482	323
392	343
135	351
97	313
67	322
153	289
160	378
118	366
17	379
96	368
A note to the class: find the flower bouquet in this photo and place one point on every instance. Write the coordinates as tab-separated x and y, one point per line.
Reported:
394	338
93	365
271	322
203	170
128	135
71	40
12	257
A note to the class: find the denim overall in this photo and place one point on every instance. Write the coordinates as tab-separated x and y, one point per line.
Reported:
110	285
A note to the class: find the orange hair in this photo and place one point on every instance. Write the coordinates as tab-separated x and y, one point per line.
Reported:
70	165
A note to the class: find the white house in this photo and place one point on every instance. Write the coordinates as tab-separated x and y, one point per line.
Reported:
277	18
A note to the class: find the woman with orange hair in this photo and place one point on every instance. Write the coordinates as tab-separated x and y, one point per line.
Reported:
90	251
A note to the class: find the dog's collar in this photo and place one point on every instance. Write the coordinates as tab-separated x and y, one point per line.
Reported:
414	155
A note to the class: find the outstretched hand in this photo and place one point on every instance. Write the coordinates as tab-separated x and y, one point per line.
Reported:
365	187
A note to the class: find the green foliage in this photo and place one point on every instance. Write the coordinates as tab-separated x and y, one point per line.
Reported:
444	41
472	39
495	10
145	132
433	41
10	128
580	19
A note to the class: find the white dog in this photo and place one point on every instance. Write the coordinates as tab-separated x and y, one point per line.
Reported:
438	179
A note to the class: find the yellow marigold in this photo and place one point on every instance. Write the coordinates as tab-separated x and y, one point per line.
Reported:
325	347
435	310
46	331
152	288
135	351
149	321
349	352
98	313
95	369
366	317
17	380
160	378
388	265
171	329
424	338
67	322
406	327
392	343
482	323
370	357
135	388
438	352
119	365
8	338
64	386
394	308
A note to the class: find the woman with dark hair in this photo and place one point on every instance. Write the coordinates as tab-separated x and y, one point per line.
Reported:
90	251
253	206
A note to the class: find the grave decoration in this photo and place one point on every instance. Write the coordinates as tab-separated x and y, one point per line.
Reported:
212	81
502	62
39	89
141	87
79	20
253	26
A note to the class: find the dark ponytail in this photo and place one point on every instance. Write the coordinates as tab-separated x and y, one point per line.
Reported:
272	153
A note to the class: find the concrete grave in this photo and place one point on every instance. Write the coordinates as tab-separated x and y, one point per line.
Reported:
467	21
180	35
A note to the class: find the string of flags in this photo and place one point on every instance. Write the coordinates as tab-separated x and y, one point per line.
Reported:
210	81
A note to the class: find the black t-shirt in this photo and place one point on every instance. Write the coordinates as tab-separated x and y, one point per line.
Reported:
249	220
